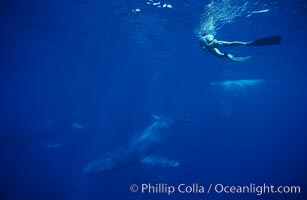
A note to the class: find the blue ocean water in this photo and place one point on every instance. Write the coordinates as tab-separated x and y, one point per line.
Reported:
79	78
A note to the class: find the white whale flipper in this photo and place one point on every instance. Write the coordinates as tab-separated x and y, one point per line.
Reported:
156	160
155	117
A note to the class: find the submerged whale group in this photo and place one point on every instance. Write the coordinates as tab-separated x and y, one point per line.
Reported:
143	145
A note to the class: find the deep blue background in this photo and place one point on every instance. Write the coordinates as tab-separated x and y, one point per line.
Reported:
98	64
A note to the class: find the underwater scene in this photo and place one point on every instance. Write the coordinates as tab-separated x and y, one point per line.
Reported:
153	99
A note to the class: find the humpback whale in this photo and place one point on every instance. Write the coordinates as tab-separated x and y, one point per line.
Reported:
138	150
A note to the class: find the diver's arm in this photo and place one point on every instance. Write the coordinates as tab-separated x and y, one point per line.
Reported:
217	52
227	44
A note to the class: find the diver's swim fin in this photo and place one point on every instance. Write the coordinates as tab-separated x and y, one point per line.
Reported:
266	41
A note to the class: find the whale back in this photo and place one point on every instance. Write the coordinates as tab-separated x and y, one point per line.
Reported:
148	140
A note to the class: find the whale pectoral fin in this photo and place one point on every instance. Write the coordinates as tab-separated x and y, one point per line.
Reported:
155	117
160	161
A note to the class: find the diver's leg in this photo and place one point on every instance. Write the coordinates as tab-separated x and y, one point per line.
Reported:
229	44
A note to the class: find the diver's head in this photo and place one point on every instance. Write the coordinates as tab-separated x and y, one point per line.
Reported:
203	34
209	38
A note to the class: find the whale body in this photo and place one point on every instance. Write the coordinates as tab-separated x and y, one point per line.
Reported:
138	150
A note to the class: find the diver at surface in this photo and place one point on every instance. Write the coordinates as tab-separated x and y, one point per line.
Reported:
209	44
